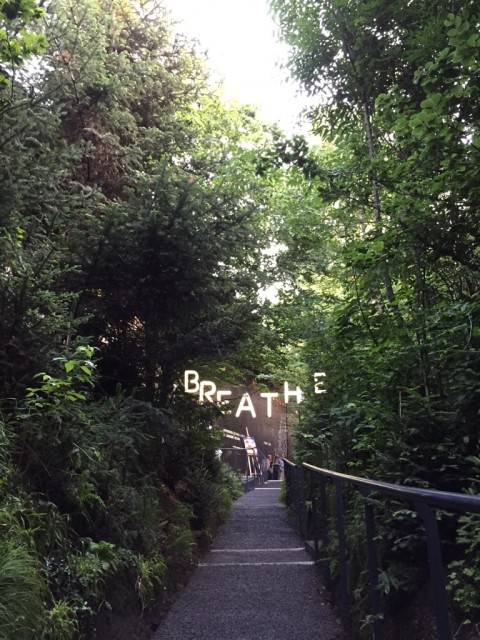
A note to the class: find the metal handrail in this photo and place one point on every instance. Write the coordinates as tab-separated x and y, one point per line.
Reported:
434	498
301	488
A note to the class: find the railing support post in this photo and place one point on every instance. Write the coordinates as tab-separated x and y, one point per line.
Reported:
296	494
376	602
437	572
342	548
324	527
315	518
302	503
289	485
424	501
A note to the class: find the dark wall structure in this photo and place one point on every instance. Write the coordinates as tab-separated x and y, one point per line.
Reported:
270	433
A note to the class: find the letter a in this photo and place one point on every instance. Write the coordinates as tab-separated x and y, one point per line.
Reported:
246	405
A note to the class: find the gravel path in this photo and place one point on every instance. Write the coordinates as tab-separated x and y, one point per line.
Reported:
256	583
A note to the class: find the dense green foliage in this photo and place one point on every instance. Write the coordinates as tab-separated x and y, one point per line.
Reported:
387	284
142	215
132	228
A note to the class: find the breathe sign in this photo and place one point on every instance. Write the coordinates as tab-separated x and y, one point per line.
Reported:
207	392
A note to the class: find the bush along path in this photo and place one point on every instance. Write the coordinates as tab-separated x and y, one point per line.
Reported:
256	579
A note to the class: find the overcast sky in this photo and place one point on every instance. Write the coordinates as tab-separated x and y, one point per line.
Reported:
239	36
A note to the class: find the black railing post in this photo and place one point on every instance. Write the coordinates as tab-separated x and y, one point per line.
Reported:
302	503
288	484
296	496
376	602
324	508
342	550
324	526
437	572
425	502
315	519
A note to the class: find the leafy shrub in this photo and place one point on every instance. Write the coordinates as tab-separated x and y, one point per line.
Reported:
232	481
210	501
61	622
180	542
464	574
91	568
150	572
464	583
22	592
104	485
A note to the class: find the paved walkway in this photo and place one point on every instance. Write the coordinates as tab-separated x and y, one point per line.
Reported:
256	583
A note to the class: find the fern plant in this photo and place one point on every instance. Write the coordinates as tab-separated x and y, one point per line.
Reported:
464	573
22	592
150	572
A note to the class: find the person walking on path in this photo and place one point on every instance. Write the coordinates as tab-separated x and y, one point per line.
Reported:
270	467
281	467
265	466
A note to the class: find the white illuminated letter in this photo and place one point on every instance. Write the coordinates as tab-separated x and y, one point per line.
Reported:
319	383
207	395
191	376
246	405
220	395
297	393
269	397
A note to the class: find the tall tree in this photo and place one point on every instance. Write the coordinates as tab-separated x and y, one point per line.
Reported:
133	220
143	218
371	66
397	333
